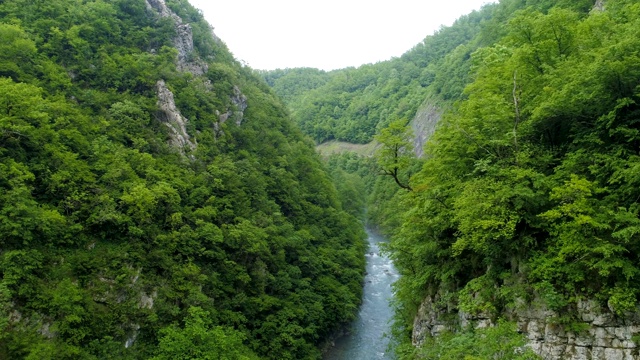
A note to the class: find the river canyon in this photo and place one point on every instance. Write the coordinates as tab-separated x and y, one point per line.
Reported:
366	335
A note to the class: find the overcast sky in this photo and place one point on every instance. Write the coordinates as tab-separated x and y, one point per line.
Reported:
327	34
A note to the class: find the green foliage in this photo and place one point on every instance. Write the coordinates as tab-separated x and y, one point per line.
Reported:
529	184
395	153
199	340
112	236
291	83
354	104
351	191
498	342
528	189
15	48
477	296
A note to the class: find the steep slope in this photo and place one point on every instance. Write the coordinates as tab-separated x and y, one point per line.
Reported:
155	198
524	212
526	207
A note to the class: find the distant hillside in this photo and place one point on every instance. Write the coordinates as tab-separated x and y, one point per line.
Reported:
338	147
353	104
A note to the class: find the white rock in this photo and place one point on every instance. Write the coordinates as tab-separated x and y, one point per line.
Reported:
628	355
483	324
173	119
613	354
582	340
604	319
623	333
602	338
597	353
534	330
581	353
438	329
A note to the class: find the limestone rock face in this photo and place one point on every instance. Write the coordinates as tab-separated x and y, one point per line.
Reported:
183	41
429	321
598	6
424	125
161	8
239	101
188	62
147	301
605	336
173	119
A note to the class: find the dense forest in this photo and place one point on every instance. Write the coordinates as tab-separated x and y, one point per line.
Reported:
354	104
528	190
130	232
159	200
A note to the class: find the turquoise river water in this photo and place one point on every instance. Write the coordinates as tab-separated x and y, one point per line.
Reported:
366	338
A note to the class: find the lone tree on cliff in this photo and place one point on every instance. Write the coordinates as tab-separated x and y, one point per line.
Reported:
396	151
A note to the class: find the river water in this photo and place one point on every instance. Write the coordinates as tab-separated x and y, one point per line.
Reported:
366	339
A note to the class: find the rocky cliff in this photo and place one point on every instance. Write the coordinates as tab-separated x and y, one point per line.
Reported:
169	115
183	41
597	333
188	61
424	124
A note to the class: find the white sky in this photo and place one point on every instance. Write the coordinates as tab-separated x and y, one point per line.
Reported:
328	34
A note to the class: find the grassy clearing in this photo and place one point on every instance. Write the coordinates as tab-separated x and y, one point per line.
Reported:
337	147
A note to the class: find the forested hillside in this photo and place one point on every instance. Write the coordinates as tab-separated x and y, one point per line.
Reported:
527	195
354	104
528	191
156	201
434	75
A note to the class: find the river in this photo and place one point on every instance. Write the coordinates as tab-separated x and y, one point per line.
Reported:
366	339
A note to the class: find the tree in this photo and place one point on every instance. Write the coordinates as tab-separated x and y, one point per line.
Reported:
198	340
396	151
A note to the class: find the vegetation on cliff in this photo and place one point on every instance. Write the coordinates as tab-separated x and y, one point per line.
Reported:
118	242
528	188
128	231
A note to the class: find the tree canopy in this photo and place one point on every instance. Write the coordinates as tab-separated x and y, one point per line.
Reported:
116	242
527	190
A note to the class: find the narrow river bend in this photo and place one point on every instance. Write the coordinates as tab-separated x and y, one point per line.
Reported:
366	340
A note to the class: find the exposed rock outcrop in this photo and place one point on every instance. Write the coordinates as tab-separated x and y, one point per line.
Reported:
239	101
46	331
188	62
183	41
173	119
160	7
598	6
147	301
134	330
430	321
424	124
603	334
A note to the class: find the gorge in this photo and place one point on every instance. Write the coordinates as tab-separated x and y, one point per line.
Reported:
368	336
161	200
